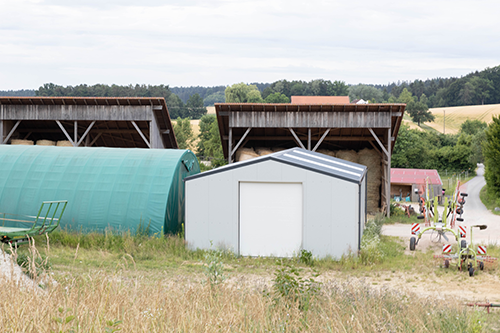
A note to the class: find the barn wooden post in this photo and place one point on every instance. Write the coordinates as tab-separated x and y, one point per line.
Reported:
230	146
388	178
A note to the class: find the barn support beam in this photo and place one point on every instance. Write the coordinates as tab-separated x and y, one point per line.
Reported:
85	133
240	142
308	139
75	133
230	146
1	130
301	145
379	142
66	133
321	139
10	133
95	139
388	166
141	134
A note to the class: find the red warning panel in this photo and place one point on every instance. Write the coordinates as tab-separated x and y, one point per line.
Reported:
463	230
415	228
481	249
447	248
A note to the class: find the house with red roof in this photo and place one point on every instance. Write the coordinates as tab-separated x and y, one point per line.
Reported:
405	182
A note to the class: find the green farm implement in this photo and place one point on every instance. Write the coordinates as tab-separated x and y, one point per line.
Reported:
468	256
17	229
438	225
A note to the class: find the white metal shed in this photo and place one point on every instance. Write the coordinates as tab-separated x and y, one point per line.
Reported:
278	204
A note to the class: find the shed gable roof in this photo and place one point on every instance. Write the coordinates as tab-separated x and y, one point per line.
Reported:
415	176
305	159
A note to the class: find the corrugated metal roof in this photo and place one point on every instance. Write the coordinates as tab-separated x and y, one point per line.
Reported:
320	100
414	176
305	159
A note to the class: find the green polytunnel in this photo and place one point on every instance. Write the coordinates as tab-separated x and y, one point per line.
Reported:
116	189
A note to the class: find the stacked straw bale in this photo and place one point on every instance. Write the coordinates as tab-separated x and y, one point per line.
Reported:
372	160
64	143
348	155
244	154
21	142
263	151
327	152
45	143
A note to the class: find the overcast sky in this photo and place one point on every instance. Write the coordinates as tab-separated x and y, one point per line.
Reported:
208	43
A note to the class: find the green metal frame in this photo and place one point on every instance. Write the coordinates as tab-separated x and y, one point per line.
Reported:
47	220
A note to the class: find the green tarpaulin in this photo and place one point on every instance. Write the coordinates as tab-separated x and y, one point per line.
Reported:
106	188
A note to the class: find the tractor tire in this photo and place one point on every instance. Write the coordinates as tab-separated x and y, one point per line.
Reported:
413	242
481	265
471	271
446	263
463	244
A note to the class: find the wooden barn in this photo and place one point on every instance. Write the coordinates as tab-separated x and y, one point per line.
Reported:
124	122
359	133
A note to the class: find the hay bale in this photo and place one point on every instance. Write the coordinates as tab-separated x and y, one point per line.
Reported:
327	152
276	149
348	155
64	143
373	161
263	151
45	143
244	154
21	142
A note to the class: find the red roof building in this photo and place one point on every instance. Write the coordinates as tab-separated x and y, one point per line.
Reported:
404	182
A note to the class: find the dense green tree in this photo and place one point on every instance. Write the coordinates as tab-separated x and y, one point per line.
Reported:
218	97
363	91
419	112
205	126
183	133
214	147
491	153
176	107
195	108
482	87
277	98
241	93
406	97
472	127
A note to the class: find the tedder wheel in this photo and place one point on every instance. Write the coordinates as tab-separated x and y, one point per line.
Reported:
471	271
446	263
463	244
412	243
481	265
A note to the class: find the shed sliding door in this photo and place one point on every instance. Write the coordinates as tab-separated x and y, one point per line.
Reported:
270	217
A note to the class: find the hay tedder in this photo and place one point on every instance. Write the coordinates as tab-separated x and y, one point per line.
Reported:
16	229
467	256
438	225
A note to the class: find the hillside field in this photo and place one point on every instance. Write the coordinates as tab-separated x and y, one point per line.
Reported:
455	116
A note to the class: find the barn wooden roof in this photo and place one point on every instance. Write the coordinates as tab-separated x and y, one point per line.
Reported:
270	124
35	110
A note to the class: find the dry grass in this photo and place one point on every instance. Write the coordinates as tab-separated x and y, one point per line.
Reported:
455	116
94	302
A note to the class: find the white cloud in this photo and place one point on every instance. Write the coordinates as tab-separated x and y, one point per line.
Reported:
222	42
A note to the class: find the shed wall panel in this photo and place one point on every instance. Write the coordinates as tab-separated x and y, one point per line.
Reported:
331	207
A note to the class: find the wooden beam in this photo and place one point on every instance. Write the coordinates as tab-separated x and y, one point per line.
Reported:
379	142
65	133
321	139
75	132
239	142
309	138
1	128
11	132
376	149
290	138
297	138
229	145
85	134
95	139
141	134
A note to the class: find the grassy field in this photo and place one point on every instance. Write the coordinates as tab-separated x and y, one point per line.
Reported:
107	282
455	116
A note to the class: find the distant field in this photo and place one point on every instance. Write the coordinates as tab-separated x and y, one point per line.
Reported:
455	116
